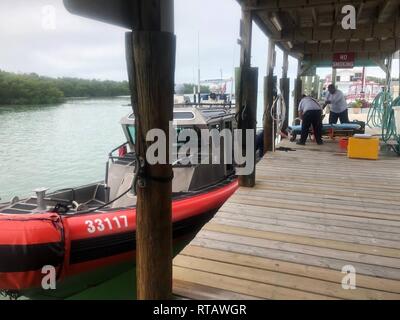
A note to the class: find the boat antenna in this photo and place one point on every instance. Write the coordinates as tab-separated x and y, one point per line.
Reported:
233	71
222	80
198	62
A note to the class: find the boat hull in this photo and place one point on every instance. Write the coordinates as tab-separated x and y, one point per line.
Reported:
87	250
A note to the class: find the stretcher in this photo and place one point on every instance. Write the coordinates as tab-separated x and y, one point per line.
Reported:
331	130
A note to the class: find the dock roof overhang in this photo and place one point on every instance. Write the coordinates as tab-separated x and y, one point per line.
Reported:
311	30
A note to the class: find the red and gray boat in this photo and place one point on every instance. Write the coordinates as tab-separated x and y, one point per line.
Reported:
87	234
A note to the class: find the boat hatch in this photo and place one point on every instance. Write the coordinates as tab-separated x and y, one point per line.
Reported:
178	115
184	115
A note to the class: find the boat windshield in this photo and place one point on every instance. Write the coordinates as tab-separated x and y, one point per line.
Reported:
178	144
132	134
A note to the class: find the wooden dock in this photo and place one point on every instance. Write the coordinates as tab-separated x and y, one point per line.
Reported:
312	212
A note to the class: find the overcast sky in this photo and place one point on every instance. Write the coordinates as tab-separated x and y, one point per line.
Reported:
78	47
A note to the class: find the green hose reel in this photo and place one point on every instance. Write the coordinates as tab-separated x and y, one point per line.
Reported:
382	115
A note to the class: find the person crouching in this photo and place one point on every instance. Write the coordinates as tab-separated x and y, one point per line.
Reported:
310	112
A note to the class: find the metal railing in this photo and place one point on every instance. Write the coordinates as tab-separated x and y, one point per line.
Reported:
211	105
110	154
113	159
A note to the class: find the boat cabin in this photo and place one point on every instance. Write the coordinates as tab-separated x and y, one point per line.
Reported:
189	175
116	189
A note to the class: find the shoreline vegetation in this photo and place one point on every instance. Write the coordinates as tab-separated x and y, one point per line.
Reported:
32	89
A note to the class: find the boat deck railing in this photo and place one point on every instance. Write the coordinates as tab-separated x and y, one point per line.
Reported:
210	105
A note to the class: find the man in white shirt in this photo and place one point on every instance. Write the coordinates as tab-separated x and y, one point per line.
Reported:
310	112
338	104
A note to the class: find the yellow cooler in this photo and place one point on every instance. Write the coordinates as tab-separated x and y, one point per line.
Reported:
363	148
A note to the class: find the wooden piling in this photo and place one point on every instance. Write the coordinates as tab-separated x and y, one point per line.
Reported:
246	91
285	89
151	76
298	91
246	31
388	72
246	109
334	75
269	92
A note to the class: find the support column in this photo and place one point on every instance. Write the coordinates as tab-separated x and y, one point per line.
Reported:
389	73
247	114
151	77
334	75
316	87
363	80
384	65
298	91
246	93
269	139
309	84
398	76
285	89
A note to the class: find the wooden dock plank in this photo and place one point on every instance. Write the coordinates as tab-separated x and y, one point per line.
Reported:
334	276
301	214
322	188
312	212
258	239
293	205
344	198
257	230
247	287
315	218
280	279
295	257
200	292
329	232
322	205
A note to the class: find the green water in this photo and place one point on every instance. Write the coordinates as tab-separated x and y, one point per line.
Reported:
57	146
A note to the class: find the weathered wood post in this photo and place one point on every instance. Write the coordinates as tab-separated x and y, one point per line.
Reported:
334	76
316	87
298	90
246	93
388	72
285	88
269	139
151	66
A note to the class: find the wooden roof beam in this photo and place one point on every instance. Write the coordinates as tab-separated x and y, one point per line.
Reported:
364	31
276	5
375	46
124	13
360	10
314	15
284	46
294	15
383	10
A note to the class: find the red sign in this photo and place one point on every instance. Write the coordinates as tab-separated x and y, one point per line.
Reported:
343	60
